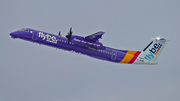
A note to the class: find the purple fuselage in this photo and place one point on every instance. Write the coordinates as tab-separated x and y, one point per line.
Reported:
77	44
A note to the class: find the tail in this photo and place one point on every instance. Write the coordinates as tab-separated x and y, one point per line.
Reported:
150	54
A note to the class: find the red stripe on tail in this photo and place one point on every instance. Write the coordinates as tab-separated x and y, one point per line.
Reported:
135	56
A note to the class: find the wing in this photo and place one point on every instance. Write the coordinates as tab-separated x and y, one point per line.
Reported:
94	37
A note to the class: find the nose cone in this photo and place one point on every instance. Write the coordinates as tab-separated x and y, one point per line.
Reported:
13	35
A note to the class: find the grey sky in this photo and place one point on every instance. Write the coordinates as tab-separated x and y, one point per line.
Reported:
29	72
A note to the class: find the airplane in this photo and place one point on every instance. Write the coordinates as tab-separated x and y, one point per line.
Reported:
90	46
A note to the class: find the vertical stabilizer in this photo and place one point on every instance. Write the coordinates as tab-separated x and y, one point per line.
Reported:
150	54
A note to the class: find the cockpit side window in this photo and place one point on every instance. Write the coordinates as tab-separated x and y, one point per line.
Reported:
25	30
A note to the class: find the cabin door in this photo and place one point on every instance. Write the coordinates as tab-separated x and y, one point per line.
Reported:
114	54
34	36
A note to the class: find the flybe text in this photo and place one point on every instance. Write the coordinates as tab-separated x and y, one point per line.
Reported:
48	37
153	51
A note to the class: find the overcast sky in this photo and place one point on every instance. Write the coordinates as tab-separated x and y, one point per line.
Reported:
29	72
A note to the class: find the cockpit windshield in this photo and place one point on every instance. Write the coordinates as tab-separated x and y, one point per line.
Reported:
24	29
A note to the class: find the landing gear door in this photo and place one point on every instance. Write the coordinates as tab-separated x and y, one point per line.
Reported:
114	54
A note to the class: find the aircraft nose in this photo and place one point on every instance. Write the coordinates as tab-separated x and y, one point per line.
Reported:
13	35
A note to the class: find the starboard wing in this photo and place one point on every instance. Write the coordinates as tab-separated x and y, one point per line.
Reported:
94	37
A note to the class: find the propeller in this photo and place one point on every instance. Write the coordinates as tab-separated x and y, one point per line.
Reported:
69	35
59	33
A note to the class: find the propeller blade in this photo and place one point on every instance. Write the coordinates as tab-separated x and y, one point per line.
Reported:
71	30
59	33
69	35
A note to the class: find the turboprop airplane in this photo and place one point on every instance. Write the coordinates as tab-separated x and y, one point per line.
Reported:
91	46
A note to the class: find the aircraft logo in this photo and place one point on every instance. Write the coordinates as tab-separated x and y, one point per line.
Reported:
152	51
48	37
